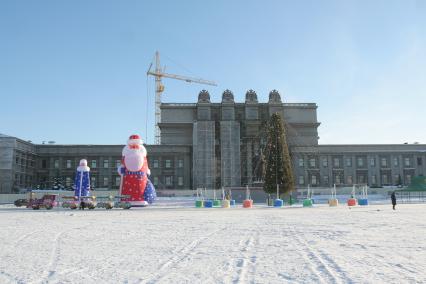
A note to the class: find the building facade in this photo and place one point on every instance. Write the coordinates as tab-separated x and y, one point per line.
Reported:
207	144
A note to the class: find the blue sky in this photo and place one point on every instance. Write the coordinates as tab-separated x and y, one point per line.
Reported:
75	71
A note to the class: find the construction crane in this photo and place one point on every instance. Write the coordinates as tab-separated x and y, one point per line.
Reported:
159	88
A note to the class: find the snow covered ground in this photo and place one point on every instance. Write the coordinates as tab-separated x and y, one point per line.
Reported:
172	243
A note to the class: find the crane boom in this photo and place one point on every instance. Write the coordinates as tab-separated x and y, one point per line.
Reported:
182	78
159	88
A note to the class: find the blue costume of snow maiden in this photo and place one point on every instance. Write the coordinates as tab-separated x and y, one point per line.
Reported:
82	180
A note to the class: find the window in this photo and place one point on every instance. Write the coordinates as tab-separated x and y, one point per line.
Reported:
17	160
336	162
395	161
169	180
313	180
106	164
44	164
301	180
384	162
117	163
93	164
385	179
407	162
360	162
349	179
180	163
361	179
92	181
312	162
301	164
325	178
67	181
325	162
180	181
419	161
105	181
337	179
372	162
407	179
68	164
155	163
117	181
373	180
348	162
155	180
168	164
396	179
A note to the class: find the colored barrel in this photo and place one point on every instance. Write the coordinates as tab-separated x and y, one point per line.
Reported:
217	203
248	203
226	203
363	201
208	203
278	203
199	203
333	202
351	202
232	202
307	203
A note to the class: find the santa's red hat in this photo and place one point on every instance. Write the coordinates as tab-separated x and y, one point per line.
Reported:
134	139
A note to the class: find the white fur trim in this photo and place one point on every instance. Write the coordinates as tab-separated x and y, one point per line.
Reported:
148	172
127	149
134	141
83	169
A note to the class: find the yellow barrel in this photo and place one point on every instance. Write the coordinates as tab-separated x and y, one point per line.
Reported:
226	203
333	202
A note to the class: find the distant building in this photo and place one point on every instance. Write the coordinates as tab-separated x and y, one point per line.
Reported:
211	145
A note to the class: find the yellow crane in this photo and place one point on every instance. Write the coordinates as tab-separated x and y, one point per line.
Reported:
159	73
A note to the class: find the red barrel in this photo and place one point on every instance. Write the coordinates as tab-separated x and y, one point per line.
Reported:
248	203
351	202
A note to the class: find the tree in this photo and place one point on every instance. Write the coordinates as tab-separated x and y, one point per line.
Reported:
278	168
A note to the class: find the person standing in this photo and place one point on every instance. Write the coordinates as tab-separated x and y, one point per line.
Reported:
393	198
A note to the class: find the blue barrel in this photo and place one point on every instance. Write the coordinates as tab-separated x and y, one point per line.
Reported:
232	202
363	201
278	203
208	203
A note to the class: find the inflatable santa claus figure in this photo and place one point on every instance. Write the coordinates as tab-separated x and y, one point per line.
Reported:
82	180
134	173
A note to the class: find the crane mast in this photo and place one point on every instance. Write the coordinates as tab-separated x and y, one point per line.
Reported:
159	88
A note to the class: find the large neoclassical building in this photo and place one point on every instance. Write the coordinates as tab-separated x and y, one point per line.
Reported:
214	144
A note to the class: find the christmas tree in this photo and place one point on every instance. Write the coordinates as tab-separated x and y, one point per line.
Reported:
278	162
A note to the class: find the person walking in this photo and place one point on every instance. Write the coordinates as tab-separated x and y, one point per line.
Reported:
393	198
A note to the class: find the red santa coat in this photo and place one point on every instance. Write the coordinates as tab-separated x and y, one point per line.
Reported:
134	181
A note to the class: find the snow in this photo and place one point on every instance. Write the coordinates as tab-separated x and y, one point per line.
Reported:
174	243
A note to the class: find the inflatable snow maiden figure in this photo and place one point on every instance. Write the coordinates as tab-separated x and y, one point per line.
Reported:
82	180
134	173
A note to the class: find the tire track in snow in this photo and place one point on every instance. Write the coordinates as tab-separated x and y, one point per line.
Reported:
26	236
181	254
50	269
50	272
246	264
322	264
11	278
16	245
312	267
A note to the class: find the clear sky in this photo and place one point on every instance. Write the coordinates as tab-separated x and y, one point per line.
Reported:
75	71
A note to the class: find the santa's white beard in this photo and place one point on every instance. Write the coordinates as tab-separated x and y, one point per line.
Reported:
133	159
